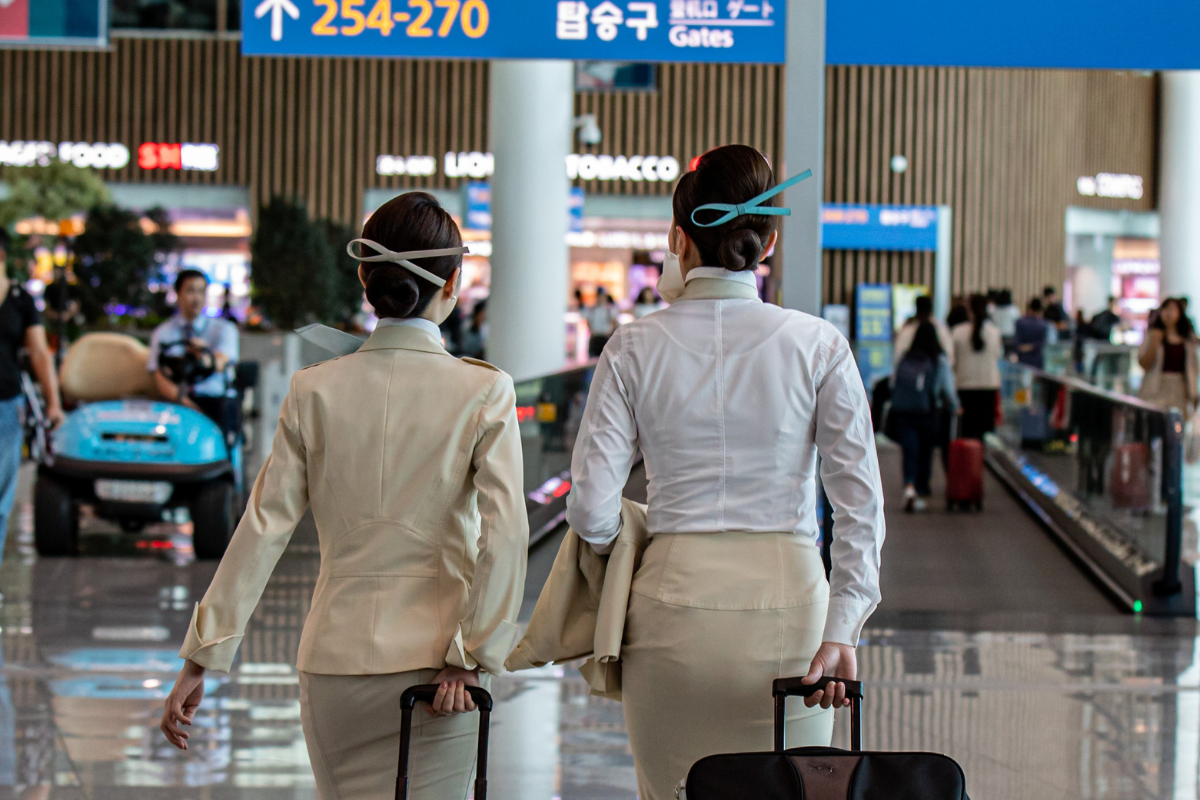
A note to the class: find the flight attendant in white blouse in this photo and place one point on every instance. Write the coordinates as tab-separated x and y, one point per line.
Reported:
730	400
411	462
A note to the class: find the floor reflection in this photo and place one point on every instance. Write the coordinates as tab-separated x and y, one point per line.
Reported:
89	644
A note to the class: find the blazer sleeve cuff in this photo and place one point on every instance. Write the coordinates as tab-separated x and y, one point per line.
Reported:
845	620
488	655
209	649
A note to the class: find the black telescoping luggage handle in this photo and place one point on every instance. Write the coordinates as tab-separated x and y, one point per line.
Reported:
409	700
783	687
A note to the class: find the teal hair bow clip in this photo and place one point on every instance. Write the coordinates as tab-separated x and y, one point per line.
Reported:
752	206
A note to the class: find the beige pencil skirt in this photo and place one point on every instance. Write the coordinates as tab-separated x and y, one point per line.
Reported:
713	619
352	729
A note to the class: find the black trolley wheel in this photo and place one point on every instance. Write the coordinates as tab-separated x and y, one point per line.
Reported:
214	517
55	518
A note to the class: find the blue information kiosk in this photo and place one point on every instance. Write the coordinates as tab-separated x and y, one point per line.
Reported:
895	229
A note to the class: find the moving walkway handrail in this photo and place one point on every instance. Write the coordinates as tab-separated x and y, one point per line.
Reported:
1170	582
1080	385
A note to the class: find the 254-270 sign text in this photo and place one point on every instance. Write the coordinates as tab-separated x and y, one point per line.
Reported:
728	31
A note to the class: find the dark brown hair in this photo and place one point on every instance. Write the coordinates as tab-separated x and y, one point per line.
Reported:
1184	327
925	340
731	174
979	315
412	221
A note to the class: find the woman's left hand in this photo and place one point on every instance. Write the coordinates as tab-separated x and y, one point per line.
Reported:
452	695
182	703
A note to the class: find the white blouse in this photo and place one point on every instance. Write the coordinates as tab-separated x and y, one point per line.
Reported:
730	400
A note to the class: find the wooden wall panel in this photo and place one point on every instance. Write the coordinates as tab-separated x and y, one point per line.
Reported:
1002	148
698	107
306	127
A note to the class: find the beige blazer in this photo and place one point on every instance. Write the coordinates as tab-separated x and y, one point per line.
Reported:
411	462
581	611
1151	388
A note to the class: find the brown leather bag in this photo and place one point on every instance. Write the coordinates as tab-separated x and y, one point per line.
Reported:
825	773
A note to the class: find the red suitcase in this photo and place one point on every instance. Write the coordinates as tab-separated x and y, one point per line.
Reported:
964	475
1129	485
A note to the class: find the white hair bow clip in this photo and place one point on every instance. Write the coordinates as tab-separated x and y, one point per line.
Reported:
402	258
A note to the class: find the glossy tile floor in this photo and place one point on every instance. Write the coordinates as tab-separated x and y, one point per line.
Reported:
89	652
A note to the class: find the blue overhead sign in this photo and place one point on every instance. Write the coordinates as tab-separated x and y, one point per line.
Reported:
716	31
873	312
872	227
1067	34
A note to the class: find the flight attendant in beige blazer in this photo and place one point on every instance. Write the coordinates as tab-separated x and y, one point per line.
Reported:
730	400
411	462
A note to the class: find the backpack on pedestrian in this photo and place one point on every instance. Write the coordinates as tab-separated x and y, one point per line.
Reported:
912	390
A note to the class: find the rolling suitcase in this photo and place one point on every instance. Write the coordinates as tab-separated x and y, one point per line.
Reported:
1129	484
408	701
825	773
964	474
1035	428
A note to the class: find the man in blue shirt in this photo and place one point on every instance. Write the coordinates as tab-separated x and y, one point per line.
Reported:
190	325
1031	333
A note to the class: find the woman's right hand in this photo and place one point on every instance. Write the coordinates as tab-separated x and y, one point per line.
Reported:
832	660
1148	355
182	703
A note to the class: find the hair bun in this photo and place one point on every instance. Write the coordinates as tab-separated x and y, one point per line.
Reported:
740	250
392	291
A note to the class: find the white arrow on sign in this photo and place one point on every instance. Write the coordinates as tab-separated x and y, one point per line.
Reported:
276	9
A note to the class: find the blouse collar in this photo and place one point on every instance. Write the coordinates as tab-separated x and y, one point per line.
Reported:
721	274
412	322
717	283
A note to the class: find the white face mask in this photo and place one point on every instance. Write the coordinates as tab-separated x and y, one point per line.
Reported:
670	285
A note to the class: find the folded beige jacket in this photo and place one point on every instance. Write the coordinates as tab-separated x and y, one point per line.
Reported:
581	611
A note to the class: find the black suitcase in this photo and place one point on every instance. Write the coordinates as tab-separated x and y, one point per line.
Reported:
408	701
825	773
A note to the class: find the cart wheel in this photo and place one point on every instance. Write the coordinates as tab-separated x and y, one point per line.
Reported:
213	520
55	518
